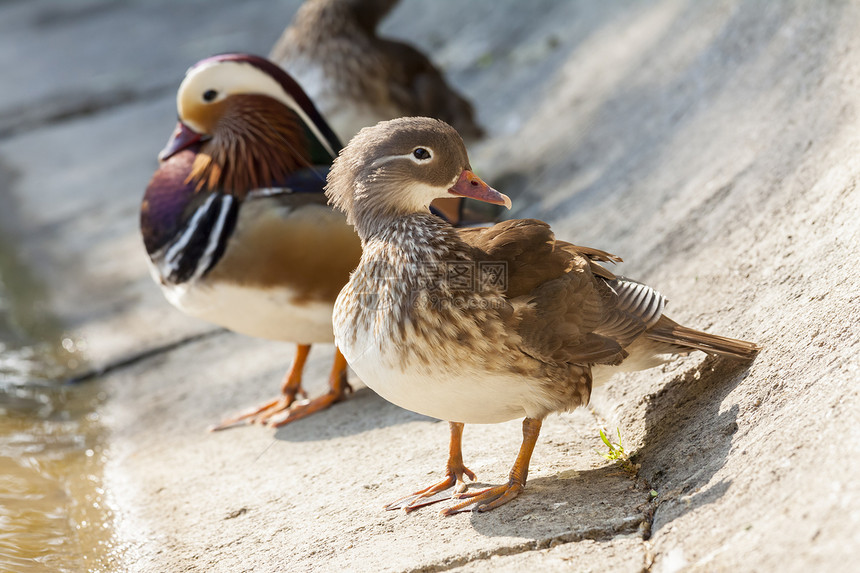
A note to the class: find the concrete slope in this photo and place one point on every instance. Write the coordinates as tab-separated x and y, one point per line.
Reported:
714	146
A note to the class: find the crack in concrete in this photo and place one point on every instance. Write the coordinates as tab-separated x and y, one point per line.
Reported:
647	556
133	359
597	533
56	110
646	509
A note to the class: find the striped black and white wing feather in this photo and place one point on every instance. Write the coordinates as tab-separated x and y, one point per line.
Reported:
632	308
200	242
187	232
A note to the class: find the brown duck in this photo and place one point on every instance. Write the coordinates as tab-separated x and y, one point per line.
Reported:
480	325
357	78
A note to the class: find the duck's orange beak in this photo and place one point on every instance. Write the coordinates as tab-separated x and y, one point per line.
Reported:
183	137
470	185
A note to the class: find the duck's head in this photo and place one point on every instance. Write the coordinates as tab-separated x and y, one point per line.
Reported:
367	14
398	167
250	123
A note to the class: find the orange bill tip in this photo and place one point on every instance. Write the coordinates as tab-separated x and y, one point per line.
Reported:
470	185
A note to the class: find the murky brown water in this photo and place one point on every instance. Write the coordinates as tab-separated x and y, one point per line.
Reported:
54	512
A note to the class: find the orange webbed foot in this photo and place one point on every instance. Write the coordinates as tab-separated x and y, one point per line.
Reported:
290	387
436	492
455	470
493	497
259	414
480	500
305	408
485	499
339	388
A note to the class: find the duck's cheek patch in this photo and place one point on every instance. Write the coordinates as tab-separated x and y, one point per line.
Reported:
424	193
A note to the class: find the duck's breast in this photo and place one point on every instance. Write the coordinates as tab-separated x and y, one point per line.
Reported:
454	390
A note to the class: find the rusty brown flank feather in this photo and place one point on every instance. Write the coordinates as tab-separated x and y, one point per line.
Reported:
311	251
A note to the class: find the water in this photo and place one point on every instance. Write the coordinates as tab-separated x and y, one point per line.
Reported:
54	512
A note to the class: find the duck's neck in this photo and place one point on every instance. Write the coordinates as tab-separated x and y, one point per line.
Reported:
416	237
403	261
409	255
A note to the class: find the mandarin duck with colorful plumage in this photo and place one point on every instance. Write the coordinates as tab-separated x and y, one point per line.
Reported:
469	347
236	223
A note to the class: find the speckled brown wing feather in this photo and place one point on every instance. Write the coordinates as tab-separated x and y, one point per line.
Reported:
594	256
596	302
576	310
563	317
559	301
525	246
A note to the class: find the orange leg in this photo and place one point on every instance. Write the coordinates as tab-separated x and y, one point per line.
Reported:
453	475
493	497
338	389
291	386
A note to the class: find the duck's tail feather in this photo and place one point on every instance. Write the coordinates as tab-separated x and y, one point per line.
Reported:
670	332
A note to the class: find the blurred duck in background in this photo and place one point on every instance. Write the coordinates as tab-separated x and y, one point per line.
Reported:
357	79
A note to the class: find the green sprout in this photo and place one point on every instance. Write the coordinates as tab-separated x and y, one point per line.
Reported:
485	61
618	454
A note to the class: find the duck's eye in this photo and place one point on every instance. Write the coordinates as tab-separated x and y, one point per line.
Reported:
209	95
421	153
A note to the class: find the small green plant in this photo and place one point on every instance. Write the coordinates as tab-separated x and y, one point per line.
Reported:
486	60
618	454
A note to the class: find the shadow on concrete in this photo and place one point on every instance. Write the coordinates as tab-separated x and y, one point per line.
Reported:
594	504
629	133
688	439
363	411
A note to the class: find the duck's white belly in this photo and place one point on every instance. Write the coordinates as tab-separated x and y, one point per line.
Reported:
462	394
272	314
